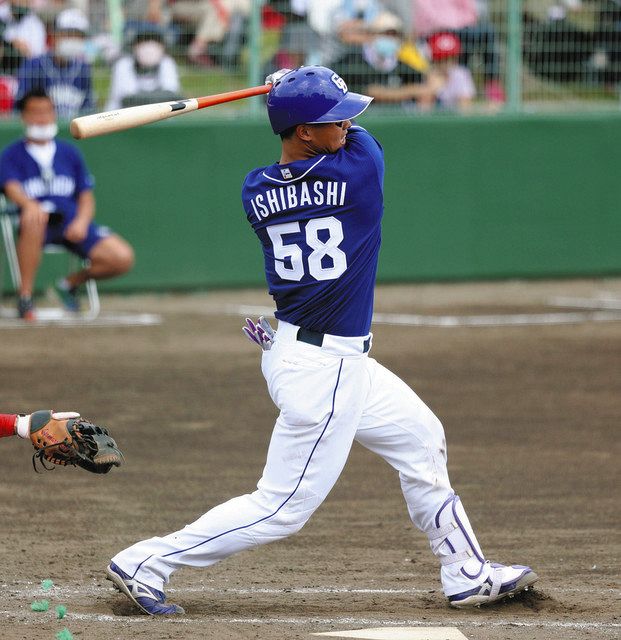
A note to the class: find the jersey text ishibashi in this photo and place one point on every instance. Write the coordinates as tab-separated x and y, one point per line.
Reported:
319	225
292	196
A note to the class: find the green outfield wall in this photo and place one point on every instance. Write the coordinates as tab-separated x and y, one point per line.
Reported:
466	198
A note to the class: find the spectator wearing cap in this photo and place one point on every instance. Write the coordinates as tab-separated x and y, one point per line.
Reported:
146	75
457	91
63	74
377	70
477	35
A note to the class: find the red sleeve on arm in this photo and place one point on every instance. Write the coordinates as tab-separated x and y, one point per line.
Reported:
7	424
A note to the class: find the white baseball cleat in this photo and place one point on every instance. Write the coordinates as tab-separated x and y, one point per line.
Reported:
502	582
148	599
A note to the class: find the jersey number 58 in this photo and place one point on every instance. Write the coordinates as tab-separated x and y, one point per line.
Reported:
318	267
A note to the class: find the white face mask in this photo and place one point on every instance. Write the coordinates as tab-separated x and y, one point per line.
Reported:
70	48
41	132
386	47
149	53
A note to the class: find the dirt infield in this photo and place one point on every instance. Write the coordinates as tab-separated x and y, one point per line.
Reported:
531	414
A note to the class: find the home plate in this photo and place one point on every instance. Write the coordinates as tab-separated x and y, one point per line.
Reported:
400	633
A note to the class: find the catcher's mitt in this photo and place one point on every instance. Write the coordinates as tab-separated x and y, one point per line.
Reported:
68	439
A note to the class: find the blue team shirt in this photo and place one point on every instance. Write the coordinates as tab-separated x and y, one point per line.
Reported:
319	223
59	190
69	86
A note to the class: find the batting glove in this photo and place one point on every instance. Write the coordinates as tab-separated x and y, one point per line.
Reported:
276	75
260	333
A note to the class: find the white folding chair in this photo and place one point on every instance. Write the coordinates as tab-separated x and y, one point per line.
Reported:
8	223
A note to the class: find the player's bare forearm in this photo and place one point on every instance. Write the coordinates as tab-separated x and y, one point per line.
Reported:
14	192
399	94
77	229
354	32
86	207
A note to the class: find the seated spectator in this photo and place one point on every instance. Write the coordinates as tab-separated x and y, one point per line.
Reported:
64	74
353	19
210	21
458	90
49	182
342	25
144	11
376	69
138	12
24	31
146	75
476	34
298	46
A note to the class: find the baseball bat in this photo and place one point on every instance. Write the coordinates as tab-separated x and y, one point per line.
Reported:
99	124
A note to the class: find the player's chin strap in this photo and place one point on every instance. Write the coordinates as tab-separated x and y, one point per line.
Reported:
453	540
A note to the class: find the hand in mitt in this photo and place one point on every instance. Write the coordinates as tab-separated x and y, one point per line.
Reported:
67	439
260	333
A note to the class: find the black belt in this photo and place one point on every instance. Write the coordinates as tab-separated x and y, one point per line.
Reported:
316	338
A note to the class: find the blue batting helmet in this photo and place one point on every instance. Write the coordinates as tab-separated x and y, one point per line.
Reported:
310	95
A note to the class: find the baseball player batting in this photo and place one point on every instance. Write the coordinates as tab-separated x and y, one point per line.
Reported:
317	213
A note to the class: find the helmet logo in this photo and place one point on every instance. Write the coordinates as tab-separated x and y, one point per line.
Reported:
339	82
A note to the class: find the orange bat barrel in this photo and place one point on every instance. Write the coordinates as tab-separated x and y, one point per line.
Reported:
219	98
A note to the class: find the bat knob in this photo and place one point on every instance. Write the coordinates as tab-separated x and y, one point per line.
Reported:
74	129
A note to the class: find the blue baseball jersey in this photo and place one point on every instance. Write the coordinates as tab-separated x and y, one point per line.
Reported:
319	223
58	189
69	86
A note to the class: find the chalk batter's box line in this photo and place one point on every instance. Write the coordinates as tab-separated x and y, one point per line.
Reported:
27	617
32	591
608	302
453	321
612	627
8	321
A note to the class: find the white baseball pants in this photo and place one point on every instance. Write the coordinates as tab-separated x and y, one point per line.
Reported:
328	397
